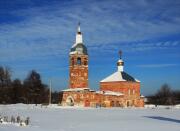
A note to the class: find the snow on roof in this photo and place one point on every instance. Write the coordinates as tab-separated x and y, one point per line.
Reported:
142	96
137	80
110	93
73	52
114	77
119	76
76	89
120	60
74	45
79	48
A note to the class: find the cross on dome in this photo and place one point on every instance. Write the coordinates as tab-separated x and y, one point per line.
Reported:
120	54
79	29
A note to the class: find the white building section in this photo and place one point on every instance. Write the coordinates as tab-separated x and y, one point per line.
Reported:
111	93
120	65
79	39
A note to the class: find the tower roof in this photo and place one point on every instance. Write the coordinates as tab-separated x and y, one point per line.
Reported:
79	38
78	46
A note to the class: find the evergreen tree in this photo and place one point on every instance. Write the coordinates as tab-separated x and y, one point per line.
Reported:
5	85
35	89
18	92
55	97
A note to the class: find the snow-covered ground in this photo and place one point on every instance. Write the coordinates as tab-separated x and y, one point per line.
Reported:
56	118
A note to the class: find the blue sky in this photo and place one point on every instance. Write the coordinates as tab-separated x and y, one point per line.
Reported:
38	34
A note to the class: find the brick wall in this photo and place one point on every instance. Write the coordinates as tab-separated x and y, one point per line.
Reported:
78	71
129	89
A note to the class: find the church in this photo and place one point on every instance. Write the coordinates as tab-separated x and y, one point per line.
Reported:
116	90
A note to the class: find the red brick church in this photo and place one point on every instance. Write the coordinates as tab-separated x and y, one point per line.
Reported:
117	90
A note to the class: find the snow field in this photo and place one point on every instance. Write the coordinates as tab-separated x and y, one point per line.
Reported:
56	118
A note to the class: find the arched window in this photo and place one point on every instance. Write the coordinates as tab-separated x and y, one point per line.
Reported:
133	91
85	62
72	61
112	103
129	92
78	61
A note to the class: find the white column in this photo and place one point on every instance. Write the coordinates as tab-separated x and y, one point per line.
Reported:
120	68
79	35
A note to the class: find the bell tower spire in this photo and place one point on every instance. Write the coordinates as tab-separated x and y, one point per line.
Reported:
79	35
78	66
79	29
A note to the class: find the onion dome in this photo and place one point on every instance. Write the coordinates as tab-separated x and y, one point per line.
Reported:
120	62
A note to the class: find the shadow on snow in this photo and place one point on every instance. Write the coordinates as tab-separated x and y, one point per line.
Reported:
163	118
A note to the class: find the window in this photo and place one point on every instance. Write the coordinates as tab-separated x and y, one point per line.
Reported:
78	61
92	97
129	91
72	61
133	91
81	96
75	96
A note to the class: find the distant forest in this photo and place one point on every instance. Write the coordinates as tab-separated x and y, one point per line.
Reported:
30	91
33	91
164	96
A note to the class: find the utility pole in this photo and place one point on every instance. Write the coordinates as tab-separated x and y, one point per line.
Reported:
50	84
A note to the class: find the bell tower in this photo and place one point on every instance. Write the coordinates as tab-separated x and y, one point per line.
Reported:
78	63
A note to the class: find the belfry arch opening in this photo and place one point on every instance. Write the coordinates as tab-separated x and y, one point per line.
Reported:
78	61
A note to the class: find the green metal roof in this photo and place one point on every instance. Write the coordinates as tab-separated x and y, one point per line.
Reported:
81	46
127	77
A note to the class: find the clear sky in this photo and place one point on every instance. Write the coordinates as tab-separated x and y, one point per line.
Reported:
38	34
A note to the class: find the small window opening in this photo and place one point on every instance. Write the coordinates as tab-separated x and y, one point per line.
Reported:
78	61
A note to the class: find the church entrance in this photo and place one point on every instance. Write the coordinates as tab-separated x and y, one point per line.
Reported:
129	104
117	104
70	101
112	104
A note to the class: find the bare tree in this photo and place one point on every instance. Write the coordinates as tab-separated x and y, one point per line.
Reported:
164	96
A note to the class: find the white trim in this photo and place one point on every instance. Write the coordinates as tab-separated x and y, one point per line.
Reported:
76	89
110	93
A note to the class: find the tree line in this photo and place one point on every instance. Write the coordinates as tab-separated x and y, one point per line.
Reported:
33	91
29	91
165	96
